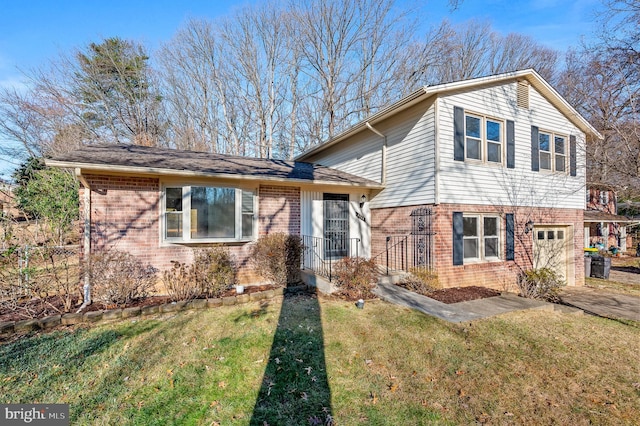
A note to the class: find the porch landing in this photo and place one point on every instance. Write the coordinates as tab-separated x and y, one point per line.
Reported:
463	311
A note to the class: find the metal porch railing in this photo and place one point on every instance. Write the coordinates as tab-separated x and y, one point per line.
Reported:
320	253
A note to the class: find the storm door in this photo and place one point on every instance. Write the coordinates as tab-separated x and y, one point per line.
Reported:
336	225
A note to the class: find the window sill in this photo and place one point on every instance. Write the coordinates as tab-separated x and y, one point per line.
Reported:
468	262
196	243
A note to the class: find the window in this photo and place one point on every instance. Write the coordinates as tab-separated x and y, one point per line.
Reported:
604	198
553	152
208	213
483	138
481	237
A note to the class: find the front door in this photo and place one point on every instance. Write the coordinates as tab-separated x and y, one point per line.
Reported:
336	225
550	249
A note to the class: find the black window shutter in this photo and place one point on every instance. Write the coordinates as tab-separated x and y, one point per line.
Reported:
572	156
458	136
511	145
535	150
510	254
458	241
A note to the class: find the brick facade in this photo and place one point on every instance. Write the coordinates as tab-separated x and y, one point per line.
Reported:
500	275
279	210
126	212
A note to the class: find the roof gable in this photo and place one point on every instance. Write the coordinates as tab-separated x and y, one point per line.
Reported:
530	75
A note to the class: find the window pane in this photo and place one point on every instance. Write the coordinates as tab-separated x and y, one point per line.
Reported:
545	160
493	131
247	214
173	199
561	235
173	224
541	235
545	142
473	148
494	152
173	213
490	226
213	212
559	145
473	126
471	248
550	235
470	226
560	163
491	247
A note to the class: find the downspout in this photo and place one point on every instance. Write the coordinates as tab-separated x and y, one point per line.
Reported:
87	239
383	168
436	154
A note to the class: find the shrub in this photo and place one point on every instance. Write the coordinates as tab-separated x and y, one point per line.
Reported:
355	277
276	257
543	284
180	282
118	278
422	281
215	271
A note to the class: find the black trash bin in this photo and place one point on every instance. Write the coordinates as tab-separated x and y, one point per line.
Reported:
600	267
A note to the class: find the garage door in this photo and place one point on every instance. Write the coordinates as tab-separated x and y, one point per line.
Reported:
550	249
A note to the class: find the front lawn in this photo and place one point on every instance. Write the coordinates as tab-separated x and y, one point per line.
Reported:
313	361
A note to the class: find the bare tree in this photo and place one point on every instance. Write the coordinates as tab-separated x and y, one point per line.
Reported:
603	81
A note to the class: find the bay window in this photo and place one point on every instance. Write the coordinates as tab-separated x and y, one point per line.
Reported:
201	213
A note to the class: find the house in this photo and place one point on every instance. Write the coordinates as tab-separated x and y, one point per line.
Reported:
477	180
603	226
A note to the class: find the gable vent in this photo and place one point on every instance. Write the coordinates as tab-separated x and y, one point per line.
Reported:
523	94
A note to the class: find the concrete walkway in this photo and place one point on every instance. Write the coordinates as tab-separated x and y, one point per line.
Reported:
463	311
602	303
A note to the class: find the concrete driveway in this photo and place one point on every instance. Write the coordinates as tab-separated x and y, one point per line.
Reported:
602	303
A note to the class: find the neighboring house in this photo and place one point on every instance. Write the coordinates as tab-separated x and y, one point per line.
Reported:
477	180
8	203
603	226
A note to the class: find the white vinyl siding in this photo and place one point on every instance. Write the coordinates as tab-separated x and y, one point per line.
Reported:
472	182
410	157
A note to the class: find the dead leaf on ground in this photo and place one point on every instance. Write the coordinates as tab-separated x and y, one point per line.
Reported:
222	384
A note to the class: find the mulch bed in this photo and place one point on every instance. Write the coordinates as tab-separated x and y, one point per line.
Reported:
40	308
460	294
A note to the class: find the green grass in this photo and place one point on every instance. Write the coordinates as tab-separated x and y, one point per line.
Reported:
304	361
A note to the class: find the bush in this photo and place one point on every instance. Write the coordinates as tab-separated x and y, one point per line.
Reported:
180	282
118	278
276	257
355	277
543	284
421	281
215	271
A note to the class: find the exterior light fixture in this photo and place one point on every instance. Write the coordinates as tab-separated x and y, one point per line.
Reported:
528	227
363	200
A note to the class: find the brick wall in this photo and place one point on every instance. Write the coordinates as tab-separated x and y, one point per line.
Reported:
279	210
125	215
500	275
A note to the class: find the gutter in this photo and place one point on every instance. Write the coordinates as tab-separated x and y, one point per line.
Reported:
87	239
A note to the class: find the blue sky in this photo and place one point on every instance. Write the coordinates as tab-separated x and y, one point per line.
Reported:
35	31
